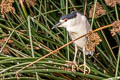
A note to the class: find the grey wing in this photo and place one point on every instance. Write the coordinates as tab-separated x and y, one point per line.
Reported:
88	26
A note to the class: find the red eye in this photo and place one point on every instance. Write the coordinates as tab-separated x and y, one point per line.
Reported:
65	19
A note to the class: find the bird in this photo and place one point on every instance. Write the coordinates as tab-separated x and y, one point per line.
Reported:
77	25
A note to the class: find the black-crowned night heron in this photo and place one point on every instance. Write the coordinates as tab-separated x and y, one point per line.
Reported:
77	25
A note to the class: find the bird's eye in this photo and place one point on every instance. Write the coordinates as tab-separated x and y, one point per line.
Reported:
65	19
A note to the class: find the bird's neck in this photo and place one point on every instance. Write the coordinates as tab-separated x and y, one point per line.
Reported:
73	29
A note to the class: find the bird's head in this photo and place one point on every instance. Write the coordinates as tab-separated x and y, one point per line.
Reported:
67	20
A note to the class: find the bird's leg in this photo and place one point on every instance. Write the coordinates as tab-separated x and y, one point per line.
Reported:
84	59
84	64
76	49
74	60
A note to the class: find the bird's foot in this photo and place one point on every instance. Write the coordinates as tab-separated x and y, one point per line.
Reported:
75	67
85	70
73	64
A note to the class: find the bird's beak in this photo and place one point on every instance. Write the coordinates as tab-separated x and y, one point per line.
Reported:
56	25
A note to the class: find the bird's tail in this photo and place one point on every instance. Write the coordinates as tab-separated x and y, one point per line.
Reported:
87	52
